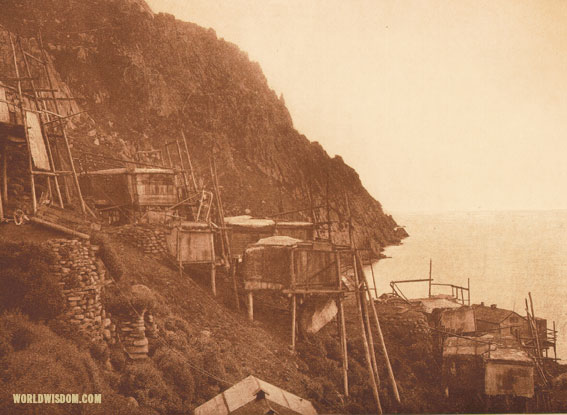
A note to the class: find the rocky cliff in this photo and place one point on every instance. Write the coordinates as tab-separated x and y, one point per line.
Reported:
144	77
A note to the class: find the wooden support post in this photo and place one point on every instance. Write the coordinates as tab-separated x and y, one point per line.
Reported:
391	376
63	132
329	223
430	269
66	188
170	162
23	113
189	161
373	279
386	355
1	210
293	319
250	306
554	342
469	291
338	269
233	265
373	382
344	348
49	190
42	106
178	253
213	267
536	334
4	173
183	171
370	334
366	314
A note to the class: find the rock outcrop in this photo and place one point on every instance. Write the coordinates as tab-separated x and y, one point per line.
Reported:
145	77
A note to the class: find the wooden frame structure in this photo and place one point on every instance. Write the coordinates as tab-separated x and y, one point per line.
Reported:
192	243
30	116
457	291
130	191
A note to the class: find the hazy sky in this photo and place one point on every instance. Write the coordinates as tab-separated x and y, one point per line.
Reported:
439	105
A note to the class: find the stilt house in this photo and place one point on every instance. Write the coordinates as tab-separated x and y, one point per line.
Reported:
125	194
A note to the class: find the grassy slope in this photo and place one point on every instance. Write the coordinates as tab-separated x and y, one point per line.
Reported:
262	348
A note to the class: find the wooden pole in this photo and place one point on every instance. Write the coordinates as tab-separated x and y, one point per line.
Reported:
430	269
25	124
65	182
344	348
189	161
554	342
370	368
63	132
233	265
370	334
183	171
329	224
533	330
469	291
5	172
225	241
39	106
391	376
178	245
312	210
366	314
373	380
293	320
1	205
168	154
536	334
250	306
373	279
213	267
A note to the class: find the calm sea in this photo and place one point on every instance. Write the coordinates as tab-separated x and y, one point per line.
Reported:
505	255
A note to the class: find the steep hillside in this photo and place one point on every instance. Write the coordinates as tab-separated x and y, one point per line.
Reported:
144	78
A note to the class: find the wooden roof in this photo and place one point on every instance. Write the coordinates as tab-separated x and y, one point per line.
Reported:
124	170
491	314
254	396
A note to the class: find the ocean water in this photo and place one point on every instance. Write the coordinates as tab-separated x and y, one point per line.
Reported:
505	255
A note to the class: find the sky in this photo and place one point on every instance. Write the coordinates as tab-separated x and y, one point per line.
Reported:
439	105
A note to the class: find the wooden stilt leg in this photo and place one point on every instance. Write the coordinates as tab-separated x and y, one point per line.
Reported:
213	279
370	336
213	268
373	382
49	191
343	344
293	320
1	210
4	173
250	306
386	355
233	264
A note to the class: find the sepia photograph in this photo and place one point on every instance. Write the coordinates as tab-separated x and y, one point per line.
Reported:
293	207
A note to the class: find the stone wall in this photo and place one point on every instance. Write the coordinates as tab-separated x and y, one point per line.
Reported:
149	238
134	334
82	278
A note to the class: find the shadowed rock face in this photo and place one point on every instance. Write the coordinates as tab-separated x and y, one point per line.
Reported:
146	77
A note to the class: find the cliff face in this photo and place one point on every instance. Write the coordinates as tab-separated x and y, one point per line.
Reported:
145	78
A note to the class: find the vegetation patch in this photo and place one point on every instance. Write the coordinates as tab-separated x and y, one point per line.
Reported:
26	282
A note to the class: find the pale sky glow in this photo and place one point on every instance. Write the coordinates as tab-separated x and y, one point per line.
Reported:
439	105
